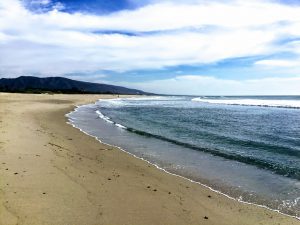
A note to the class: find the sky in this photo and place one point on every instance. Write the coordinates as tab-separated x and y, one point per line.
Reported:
195	47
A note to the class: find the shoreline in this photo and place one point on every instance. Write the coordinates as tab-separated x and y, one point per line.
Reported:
71	178
170	173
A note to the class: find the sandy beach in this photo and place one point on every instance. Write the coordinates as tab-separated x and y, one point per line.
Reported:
51	173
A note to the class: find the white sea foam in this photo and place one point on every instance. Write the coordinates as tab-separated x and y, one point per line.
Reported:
107	119
118	101
121	126
153	98
289	203
252	102
136	101
147	98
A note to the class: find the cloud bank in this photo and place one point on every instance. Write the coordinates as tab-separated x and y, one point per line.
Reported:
207	85
158	35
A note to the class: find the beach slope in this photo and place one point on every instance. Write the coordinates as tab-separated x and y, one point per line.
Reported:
51	173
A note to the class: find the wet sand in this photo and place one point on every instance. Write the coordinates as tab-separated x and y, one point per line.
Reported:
51	173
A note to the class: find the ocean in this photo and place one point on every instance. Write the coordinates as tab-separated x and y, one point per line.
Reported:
246	147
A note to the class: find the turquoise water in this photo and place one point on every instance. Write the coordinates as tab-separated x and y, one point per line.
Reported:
246	147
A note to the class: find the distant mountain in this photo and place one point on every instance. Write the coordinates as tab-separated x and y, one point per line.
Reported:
29	84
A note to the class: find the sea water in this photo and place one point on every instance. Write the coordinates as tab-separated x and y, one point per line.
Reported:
247	147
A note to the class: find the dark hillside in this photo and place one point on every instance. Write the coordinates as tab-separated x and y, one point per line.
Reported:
28	84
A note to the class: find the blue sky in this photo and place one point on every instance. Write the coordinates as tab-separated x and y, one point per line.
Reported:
167	46
96	7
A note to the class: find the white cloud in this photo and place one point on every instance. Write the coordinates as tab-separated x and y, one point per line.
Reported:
279	63
207	85
40	2
96	77
203	32
170	15
58	6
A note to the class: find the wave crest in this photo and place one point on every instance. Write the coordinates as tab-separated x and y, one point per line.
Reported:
252	102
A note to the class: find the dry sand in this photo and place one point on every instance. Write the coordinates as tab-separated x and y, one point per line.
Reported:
51	173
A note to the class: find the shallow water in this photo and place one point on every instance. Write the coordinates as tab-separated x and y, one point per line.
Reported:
236	145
